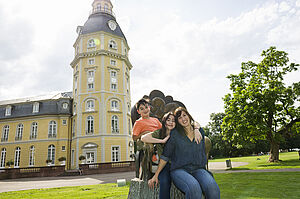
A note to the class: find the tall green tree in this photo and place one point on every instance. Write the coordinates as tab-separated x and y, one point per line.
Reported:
261	106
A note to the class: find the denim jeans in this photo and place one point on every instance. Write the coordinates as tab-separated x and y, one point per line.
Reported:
164	182
195	182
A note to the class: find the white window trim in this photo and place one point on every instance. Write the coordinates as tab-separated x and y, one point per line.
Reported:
31	154
53	133
119	153
88	130
117	108
35	107
17	157
112	44
113	61
8	110
51	152
89	61
87	108
3	157
89	44
115	131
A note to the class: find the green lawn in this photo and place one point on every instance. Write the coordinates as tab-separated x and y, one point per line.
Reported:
275	185
289	160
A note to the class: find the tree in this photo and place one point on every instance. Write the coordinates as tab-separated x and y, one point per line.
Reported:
261	106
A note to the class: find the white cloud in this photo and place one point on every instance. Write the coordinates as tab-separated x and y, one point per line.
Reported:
185	57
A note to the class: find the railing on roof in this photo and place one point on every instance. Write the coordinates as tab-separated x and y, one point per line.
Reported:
103	9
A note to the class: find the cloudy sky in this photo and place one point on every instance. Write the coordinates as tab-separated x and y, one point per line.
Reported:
185	48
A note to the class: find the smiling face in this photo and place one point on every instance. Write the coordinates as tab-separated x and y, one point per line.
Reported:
184	119
170	122
144	110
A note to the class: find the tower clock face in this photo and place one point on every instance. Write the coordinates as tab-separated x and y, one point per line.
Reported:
112	25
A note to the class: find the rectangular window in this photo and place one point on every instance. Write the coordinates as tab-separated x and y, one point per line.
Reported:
90	157
64	122
63	148
91	86
91	61
115	153
113	86
8	111
113	62
36	107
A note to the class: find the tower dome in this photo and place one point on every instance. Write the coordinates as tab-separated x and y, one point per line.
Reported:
101	18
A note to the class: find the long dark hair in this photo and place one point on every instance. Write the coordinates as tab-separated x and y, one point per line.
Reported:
162	132
177	114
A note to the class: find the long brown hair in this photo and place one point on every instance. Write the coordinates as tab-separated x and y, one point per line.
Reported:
177	114
162	132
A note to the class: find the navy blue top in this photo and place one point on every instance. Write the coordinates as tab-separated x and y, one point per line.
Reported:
184	153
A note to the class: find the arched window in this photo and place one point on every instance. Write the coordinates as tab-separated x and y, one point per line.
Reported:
51	153
114	124
33	132
19	132
17	157
5	132
106	7
52	129
90	105
89	125
91	43
114	105
113	44
98	8
31	155
3	156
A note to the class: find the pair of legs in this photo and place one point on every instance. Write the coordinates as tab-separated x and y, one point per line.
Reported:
164	182
195	182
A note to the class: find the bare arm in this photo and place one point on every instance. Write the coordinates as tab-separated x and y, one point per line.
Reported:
154	180
148	138
136	137
198	136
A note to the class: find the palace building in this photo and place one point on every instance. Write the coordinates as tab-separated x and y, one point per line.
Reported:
93	121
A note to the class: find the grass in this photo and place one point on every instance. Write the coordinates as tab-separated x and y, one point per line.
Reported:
258	185
273	185
269	185
108	191
289	160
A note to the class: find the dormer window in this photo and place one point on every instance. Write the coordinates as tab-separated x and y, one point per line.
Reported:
36	107
112	44
8	111
91	43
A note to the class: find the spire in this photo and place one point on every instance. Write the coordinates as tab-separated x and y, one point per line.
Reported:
104	6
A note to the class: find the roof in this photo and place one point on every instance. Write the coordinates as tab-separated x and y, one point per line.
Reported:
99	22
51	96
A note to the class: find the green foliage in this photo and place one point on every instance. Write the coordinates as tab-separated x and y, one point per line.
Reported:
62	159
82	157
9	163
261	106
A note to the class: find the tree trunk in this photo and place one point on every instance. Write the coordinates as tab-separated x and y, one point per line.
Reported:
274	152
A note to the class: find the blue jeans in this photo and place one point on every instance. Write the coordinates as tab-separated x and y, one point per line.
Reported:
164	182
195	182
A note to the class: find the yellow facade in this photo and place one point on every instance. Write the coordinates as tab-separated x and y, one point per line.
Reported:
97	125
40	142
